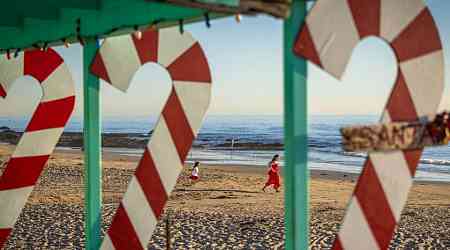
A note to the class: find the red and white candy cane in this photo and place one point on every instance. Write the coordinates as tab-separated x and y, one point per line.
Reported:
42	133
332	30
156	175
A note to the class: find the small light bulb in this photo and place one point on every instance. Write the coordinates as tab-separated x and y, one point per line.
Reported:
238	18
66	43
138	34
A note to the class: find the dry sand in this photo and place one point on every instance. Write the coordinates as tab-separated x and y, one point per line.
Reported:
226	209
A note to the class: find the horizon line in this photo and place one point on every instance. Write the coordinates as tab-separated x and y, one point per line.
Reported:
210	115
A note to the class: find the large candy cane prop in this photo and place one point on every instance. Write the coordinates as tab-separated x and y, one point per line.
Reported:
156	175
42	133
333	28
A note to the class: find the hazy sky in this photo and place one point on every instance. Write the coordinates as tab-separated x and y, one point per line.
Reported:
246	64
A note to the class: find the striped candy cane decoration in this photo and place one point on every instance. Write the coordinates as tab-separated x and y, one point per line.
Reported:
332	30
156	175
42	133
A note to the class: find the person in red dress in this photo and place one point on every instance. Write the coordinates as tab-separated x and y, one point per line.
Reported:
274	178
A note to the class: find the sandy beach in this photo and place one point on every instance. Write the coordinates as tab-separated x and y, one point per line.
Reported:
226	209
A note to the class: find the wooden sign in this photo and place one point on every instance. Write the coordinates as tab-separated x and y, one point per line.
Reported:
396	136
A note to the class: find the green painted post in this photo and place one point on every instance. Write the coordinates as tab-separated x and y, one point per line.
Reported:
296	173
92	149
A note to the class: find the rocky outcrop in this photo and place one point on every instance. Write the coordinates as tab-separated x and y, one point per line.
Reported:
75	139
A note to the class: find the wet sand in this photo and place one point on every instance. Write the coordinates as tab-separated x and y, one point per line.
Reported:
226	209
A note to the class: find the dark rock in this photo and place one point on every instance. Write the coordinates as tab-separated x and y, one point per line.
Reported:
75	139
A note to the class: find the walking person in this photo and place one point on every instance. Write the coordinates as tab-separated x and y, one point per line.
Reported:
195	171
273	176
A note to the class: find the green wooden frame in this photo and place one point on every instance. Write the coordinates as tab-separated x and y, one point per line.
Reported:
92	149
48	22
296	173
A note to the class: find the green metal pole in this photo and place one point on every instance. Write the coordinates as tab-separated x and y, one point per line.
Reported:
296	173
92	149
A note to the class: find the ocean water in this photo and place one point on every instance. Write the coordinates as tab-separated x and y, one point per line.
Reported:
324	142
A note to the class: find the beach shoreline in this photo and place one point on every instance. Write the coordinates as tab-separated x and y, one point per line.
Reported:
325	152
226	209
331	174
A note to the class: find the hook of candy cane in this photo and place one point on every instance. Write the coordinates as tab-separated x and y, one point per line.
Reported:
117	61
331	31
42	133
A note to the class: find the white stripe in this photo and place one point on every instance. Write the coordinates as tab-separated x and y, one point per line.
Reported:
12	202
165	155
58	85
397	15
395	178
10	70
385	117
424	77
195	98
107	243
171	45
334	34
355	233
36	143
139	211
121	60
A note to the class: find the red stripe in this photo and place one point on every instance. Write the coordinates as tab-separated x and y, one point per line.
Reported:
147	46
178	125
2	91
192	66
122	232
400	104
98	68
150	181
40	64
304	46
337	245
419	38
22	172
366	16
412	158
52	114
4	233
375	206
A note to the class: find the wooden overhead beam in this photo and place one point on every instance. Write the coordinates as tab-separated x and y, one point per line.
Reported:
276	8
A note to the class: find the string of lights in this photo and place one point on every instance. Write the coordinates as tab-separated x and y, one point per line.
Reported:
78	37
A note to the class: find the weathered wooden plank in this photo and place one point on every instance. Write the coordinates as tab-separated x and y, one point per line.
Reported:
276	8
